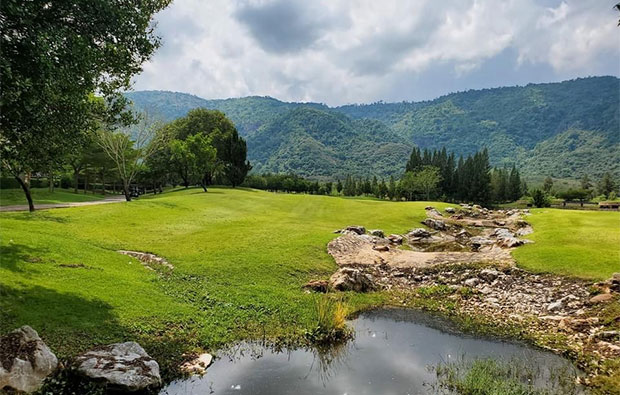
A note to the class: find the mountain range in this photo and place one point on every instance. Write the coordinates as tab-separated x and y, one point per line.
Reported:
564	129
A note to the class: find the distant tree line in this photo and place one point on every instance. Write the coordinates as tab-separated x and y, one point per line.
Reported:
429	175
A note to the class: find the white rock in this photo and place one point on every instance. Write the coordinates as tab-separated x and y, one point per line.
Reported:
31	361
123	366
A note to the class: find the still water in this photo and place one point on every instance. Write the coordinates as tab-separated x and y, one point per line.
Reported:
391	354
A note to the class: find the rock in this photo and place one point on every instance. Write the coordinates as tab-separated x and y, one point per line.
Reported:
436	224
317	286
489	275
555	306
381	248
450	210
479	241
471	282
419	232
432	212
377	232
506	238
462	235
602	298
350	279
198	365
121	366
360	230
337	231
395	239
26	360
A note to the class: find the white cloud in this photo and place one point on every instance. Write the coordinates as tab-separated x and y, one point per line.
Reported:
338	52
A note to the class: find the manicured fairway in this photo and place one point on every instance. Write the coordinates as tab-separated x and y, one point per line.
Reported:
240	258
12	197
574	243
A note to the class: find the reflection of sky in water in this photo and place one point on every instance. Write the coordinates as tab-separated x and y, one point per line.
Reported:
391	354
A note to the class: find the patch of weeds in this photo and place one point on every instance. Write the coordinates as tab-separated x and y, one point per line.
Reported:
466	292
67	381
514	377
608	383
331	325
434	290
594	290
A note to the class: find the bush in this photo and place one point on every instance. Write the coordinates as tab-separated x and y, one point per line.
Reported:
540	198
66	182
331	326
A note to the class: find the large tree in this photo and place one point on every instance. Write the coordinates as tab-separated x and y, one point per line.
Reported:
231	149
53	56
130	148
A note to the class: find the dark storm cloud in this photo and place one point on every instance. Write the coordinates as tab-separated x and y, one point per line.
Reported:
283	26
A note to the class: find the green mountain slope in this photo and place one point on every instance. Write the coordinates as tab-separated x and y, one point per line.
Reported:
525	125
324	144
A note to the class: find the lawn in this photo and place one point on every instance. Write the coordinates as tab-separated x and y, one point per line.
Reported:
573	242
11	197
240	257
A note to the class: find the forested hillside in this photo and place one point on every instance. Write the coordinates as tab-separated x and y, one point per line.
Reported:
562	129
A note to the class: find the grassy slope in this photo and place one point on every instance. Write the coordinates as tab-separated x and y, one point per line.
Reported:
11	197
240	257
575	243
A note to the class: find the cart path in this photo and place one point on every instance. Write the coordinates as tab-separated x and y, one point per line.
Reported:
24	207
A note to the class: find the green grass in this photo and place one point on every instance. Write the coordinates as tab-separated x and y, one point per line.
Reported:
240	258
497	377
12	197
583	244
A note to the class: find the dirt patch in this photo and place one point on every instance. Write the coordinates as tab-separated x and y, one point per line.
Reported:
148	260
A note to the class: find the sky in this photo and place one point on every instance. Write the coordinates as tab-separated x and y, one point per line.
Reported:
340	52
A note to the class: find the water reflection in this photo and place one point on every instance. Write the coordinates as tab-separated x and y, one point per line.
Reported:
391	354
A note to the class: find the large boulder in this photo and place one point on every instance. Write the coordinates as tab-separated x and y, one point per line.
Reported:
25	360
120	366
350	279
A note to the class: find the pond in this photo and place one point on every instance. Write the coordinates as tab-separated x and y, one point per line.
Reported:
392	353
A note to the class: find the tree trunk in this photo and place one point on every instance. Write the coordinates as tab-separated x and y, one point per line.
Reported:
85	181
76	176
103	182
50	182
26	189
126	191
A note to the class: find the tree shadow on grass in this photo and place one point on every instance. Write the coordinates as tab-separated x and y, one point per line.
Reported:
71	324
67	322
21	258
38	216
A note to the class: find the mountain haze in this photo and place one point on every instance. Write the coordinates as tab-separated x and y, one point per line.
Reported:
564	129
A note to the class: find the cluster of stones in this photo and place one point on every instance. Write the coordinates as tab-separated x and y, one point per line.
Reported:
120	367
148	260
502	293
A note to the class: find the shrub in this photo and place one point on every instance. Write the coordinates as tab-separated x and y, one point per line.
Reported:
66	182
540	198
331	325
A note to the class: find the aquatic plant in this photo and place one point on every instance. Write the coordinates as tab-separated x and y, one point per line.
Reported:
514	377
